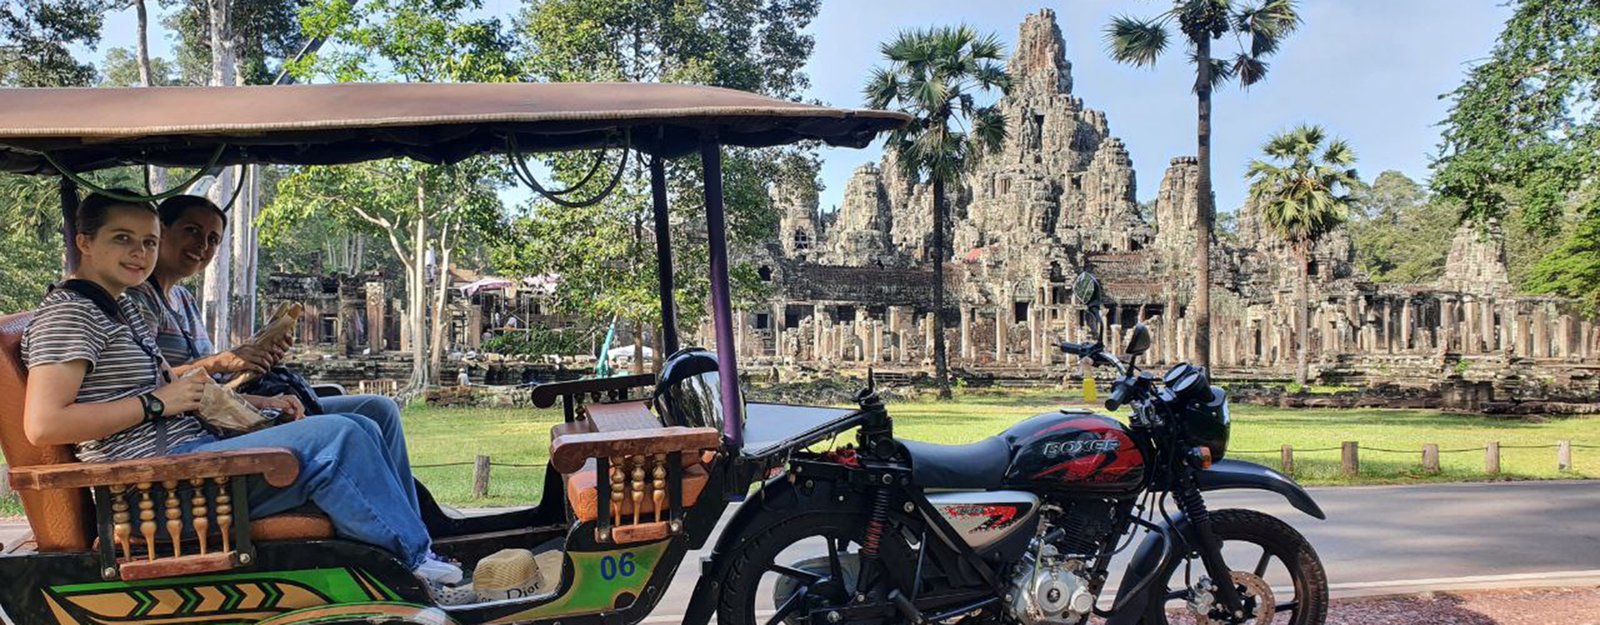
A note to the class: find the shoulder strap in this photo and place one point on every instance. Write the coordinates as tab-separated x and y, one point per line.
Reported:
103	300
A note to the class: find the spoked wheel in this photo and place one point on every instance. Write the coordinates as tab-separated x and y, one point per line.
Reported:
793	569
1275	570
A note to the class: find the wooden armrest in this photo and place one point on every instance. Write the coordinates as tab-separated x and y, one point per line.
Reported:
622	416
568	452
545	395
278	466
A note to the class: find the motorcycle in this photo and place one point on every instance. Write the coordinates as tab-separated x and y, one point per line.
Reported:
1021	528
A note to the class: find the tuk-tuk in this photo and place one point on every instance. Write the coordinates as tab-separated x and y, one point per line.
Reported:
1016	529
169	540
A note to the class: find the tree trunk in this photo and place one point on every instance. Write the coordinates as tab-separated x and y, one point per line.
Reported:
158	175
1303	319
215	293
419	298
243	232
940	368
638	347
440	319
1201	308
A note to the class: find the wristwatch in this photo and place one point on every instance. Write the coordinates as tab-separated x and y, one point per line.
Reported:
153	406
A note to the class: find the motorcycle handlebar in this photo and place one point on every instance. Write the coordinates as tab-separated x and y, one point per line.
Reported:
1119	396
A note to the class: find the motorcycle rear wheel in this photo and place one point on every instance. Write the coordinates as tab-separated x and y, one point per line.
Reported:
757	571
1273	540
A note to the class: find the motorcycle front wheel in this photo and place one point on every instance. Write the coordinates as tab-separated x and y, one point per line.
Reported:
1275	569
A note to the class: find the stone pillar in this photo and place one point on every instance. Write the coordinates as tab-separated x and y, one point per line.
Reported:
474	327
966	332
1000	333
1541	332
1585	339
778	310
927	336
1486	325
377	302
1508	325
1406	322
1524	336
1447	323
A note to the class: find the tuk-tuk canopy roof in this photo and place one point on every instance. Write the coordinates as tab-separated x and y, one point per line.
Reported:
85	129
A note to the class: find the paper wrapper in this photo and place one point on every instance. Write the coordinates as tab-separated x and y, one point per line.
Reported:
281	325
226	411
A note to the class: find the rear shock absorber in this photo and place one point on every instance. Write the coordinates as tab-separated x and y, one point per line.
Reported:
1210	548
876	523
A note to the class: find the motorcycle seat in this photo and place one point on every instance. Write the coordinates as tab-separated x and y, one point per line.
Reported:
974	466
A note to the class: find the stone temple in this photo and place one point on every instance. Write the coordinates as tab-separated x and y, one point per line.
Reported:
852	288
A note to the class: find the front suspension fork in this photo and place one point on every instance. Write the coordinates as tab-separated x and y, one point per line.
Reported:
1205	541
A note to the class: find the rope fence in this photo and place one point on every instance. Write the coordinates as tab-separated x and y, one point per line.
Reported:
1350	455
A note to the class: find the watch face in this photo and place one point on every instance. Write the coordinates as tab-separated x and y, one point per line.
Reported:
156	406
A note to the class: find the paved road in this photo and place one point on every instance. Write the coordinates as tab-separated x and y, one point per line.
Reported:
1386	539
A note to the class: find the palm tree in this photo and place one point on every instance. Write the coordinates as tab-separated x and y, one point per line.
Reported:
936	75
1139	42
1303	194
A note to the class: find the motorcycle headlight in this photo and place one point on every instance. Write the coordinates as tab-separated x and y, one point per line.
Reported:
1209	423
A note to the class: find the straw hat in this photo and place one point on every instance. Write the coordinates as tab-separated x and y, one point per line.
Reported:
507	574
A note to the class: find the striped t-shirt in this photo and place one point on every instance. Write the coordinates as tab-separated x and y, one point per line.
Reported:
66	327
179	330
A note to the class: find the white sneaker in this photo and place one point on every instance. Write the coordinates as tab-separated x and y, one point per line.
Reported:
438	572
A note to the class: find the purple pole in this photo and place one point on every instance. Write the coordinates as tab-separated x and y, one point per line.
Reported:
721	306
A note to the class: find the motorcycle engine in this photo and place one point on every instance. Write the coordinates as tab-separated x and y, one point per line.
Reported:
1050	585
1047	589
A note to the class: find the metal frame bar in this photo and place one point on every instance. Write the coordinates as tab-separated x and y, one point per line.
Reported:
721	301
664	269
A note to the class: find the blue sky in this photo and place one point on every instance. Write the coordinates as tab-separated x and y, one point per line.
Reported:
1370	71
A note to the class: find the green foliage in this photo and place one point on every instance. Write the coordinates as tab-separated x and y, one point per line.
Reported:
121	69
1521	133
936	75
1259	29
416	40
1304	193
31	264
605	254
268	32
535	342
1573	269
36	38
1401	235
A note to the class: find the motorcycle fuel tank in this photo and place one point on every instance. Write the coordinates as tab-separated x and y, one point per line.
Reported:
1075	452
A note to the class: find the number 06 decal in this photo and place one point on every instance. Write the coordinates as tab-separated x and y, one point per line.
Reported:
612	568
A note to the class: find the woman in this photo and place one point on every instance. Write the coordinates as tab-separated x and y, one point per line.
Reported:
97	380
191	231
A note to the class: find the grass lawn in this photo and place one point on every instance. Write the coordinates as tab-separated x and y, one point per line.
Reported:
521	437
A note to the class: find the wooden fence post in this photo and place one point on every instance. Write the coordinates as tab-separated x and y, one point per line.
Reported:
1563	456
1430	458
5	481
1491	459
1288	460
480	478
1352	458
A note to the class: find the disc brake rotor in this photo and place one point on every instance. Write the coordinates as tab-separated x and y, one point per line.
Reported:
1258	599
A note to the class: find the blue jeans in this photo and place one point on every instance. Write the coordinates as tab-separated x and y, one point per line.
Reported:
347	472
385	414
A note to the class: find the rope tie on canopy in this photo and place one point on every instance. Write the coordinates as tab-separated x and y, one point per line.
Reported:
177	189
519	166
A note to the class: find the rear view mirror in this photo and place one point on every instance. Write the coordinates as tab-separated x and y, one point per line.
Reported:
1139	342
1086	288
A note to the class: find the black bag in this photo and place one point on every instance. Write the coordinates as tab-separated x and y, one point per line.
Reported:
279	380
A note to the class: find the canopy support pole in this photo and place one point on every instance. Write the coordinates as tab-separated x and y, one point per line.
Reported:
721	301
669	307
68	191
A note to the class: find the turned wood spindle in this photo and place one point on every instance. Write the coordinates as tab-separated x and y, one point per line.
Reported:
658	490
147	520
121	528
638	487
617	486
174	516
199	511
224	512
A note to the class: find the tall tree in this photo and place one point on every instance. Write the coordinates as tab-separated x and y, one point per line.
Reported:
267	32
1303	191
36	38
1522	140
1400	233
937	76
753	45
412	205
1259	29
